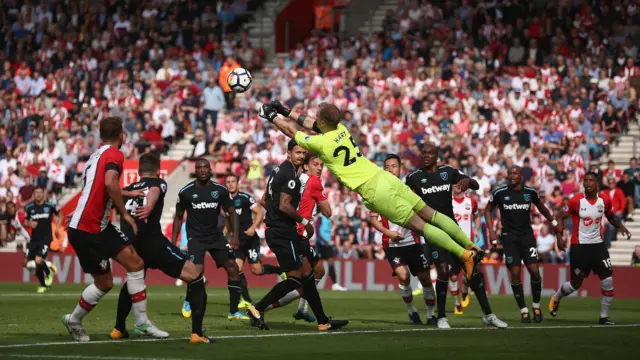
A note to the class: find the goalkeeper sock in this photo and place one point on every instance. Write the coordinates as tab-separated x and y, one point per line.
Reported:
452	229
440	238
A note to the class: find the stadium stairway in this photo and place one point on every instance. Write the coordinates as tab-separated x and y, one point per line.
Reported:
177	179
261	32
374	23
621	153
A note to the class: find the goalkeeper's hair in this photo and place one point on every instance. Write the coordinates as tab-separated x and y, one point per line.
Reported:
329	113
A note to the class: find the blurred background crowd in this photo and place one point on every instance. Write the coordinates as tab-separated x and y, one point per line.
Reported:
549	91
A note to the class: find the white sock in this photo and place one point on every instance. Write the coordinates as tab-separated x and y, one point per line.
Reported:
565	290
88	300
138	292
536	305
607	297
429	296
524	310
285	300
407	296
31	267
302	305
49	263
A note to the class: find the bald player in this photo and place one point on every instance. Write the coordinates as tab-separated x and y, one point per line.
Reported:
515	204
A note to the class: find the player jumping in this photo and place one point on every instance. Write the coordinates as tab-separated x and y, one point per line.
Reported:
588	251
144	200
95	239
404	252
202	200
251	216
38	216
312	195
293	253
382	192
514	202
435	185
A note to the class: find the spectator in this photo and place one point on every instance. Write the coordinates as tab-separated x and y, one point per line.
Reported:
616	197
635	257
546	246
634	173
213	99
628	189
611	172
344	239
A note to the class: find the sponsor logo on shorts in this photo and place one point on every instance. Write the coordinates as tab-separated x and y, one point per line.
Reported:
435	189
192	258
396	260
444	176
509	259
104	264
205	205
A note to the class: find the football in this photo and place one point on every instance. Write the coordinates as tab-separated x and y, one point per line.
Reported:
239	80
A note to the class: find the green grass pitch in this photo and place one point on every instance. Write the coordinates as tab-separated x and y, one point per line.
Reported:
30	328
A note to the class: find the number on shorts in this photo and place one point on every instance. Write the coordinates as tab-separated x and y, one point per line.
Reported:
607	262
425	262
534	252
44	249
253	254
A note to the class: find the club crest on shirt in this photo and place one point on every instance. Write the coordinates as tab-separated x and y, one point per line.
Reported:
46	210
237	203
444	176
215	195
423	181
527	197
600	209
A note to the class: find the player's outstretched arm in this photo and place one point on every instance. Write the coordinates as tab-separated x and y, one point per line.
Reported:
177	223
305	121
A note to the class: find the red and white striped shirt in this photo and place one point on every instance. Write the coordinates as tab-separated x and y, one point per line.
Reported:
92	213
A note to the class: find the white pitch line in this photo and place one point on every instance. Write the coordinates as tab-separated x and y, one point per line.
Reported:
327	333
113	294
84	357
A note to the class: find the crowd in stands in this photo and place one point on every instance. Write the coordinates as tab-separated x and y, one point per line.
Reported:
547	85
64	66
